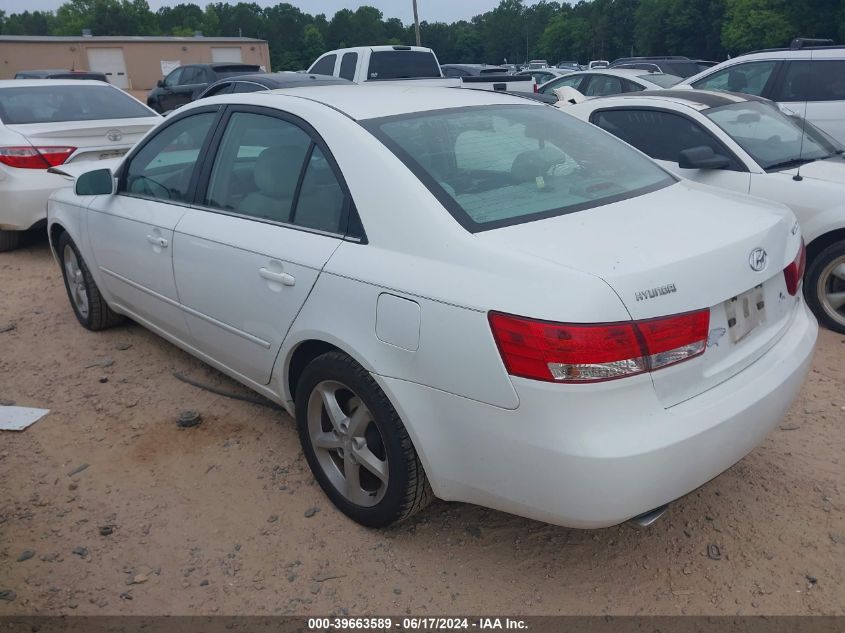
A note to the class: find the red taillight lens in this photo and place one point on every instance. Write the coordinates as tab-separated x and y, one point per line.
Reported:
794	273
536	88
577	353
34	157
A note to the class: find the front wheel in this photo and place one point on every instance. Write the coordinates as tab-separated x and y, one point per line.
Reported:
356	445
91	310
824	287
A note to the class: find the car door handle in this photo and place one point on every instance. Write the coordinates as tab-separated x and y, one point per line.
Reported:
283	278
157	241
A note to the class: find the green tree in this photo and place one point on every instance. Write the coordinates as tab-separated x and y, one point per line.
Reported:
751	24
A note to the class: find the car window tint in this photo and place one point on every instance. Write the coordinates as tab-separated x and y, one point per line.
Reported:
750	78
320	202
258	166
402	64
602	85
661	135
248	86
499	165
54	104
163	168
347	65
220	89
325	66
189	75
817	80
174	77
630	86
573	82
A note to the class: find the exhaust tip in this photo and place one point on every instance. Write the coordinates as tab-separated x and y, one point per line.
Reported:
646	519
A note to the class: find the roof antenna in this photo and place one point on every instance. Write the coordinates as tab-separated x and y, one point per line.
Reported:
797	177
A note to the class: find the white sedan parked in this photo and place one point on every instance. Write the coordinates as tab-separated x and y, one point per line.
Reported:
747	144
50	122
610	81
454	292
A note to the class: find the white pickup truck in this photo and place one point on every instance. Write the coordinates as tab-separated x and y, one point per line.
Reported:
374	64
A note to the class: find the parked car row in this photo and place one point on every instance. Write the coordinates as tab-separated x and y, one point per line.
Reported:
458	365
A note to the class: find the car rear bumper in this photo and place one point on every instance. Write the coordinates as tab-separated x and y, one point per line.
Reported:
23	196
590	456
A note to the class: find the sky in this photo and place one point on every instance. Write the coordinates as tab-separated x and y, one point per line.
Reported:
429	10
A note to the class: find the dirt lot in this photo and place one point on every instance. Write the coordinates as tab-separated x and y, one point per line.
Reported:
221	518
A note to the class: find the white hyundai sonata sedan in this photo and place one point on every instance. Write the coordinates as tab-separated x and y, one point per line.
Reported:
45	123
456	293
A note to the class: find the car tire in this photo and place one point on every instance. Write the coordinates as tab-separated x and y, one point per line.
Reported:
9	240
825	281
361	456
91	310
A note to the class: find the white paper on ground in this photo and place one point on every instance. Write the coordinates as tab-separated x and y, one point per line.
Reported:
18	418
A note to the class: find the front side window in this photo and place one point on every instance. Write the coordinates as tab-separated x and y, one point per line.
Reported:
191	75
165	165
772	138
52	104
572	81
661	135
324	66
817	80
175	77
347	65
750	78
603	85
493	166
270	169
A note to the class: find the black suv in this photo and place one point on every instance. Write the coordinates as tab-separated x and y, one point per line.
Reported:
185	83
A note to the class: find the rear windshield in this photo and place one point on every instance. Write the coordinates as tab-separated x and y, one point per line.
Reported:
402	65
682	69
51	104
494	166
228	71
662	80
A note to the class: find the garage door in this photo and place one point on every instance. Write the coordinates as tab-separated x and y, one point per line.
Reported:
110	62
226	54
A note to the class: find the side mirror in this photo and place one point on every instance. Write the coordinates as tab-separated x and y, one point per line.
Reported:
702	157
95	183
160	83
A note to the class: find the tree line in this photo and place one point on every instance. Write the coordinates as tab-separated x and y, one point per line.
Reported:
513	31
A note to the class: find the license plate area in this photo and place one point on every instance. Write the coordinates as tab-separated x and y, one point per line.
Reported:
745	312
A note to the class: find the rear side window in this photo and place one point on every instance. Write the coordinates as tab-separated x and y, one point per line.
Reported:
247	86
661	135
347	65
493	166
51	104
750	78
324	66
818	80
402	65
219	89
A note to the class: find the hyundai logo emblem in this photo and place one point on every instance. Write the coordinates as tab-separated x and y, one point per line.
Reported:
758	260
114	135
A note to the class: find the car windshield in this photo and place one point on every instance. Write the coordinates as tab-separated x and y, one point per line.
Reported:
52	104
661	79
771	137
494	166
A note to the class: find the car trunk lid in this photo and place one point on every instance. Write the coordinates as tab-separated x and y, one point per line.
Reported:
680	249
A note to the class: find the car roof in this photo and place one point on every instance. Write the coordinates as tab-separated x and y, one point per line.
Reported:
19	83
617	72
696	99
370	102
282	80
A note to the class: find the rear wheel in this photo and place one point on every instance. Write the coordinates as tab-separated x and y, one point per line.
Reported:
9	240
356	445
824	287
88	305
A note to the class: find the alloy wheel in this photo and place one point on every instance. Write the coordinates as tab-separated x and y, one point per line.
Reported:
347	442
831	289
75	281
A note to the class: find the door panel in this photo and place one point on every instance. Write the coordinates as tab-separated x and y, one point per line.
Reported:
242	283
131	232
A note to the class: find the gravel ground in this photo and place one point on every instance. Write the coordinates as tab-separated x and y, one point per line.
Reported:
225	517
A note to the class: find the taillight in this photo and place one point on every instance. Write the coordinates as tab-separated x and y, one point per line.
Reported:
34	157
536	88
577	353
794	273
